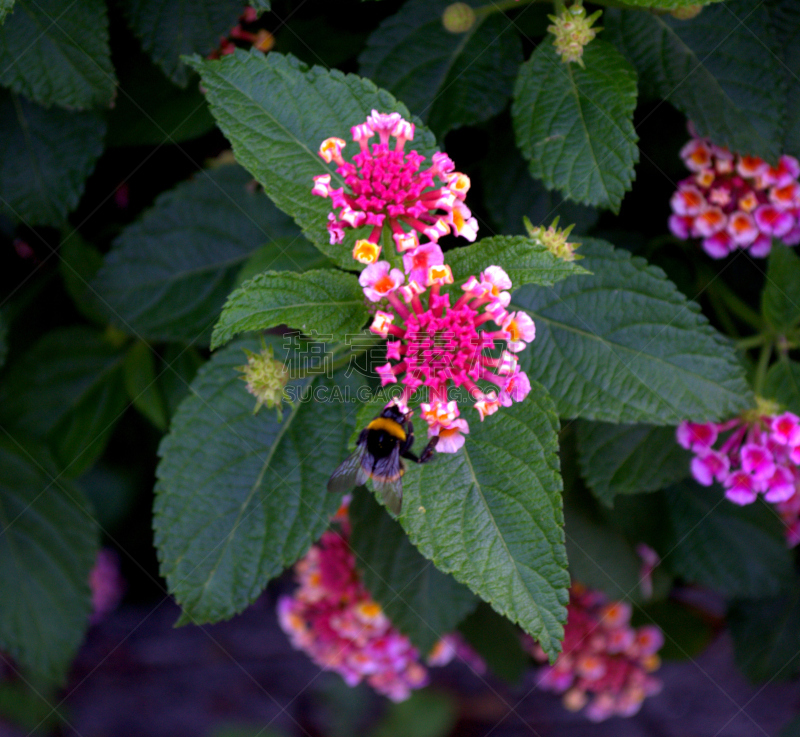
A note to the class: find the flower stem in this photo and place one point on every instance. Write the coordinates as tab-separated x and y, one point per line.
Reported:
734	303
753	341
761	368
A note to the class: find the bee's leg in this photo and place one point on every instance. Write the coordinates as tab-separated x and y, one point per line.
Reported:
430	448
408	454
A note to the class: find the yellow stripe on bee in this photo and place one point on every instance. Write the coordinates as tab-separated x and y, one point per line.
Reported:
395	429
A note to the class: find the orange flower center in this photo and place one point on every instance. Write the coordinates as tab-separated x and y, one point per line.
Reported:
384	284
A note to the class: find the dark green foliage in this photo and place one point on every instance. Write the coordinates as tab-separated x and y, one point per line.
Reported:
624	345
575	125
45	159
448	79
421	601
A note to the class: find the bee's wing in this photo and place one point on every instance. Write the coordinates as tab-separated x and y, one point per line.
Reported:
387	478
353	470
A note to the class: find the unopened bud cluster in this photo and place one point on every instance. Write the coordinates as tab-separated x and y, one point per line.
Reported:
573	30
266	379
554	239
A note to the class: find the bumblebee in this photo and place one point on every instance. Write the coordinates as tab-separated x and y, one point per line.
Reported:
381	446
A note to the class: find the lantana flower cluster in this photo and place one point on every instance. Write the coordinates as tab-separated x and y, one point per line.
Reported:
433	341
106	584
606	664
757	453
733	201
332	617
386	186
261	39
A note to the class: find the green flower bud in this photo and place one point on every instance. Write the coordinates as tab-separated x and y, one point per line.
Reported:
266	379
572	30
554	239
458	18
687	13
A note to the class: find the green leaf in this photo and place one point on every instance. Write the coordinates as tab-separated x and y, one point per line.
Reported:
511	193
282	254
141	383
575	125
624	345
58	54
6	6
425	714
45	158
448	79
330	302
497	641
167	276
525	260
79	264
783	384
687	632
766	638
780	300
720	69
181	364
421	601
262	6
47	549
150	110
737	551
169	29
629	459
491	515
600	557
67	390
241	496
278	142
785	16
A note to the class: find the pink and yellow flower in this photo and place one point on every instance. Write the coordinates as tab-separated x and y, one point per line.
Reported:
385	186
734	201
435	343
332	617
605	664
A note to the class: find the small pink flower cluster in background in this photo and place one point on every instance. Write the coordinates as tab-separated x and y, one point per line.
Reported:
734	201
430	342
106	584
760	455
262	39
332	617
605	664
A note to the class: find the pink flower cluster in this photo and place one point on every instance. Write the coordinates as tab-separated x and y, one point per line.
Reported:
605	664
332	617
431	342
106	584
386	186
261	39
759	455
733	201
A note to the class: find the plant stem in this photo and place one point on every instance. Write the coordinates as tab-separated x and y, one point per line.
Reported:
761	368
752	342
735	304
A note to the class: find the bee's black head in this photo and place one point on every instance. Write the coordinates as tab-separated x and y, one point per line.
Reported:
393	412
